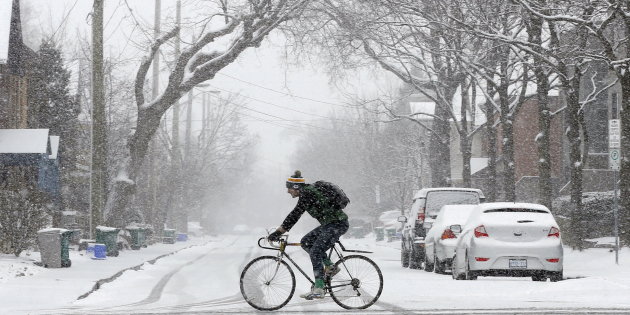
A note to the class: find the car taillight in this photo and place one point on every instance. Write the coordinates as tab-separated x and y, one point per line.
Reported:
553	260
448	234
554	231
421	215
482	258
480	231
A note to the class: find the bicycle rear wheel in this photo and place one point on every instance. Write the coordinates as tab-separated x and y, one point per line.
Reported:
358	284
267	283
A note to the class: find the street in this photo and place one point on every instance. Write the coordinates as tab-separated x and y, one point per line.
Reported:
205	279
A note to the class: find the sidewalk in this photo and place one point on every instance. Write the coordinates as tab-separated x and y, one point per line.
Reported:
25	286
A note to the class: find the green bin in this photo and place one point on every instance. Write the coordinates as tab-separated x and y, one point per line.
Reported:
391	233
109	237
379	231
138	237
169	236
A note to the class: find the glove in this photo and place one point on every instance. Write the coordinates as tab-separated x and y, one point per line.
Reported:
275	236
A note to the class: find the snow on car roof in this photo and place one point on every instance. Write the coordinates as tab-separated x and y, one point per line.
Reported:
511	205
456	214
422	193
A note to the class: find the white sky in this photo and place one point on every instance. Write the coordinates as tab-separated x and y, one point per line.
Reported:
255	75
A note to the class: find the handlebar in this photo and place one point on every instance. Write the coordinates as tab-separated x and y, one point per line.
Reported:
282	243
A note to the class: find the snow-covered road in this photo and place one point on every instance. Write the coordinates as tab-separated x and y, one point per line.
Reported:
205	279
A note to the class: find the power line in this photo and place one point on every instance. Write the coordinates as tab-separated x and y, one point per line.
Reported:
287	94
280	106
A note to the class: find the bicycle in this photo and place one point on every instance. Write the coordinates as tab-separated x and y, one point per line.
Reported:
268	282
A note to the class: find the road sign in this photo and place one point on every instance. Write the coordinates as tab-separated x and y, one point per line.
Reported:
614	134
613	159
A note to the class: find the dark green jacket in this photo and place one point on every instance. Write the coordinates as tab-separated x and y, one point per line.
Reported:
313	201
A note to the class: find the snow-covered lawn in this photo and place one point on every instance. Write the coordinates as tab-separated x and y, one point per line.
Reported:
203	276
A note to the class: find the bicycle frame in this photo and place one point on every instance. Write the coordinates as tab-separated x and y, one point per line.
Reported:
282	253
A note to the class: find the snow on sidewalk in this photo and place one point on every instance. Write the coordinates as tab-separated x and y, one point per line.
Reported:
25	286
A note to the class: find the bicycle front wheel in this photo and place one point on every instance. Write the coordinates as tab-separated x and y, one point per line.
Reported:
267	283
358	284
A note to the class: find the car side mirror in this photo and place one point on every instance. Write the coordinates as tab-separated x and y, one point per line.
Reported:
402	219
456	228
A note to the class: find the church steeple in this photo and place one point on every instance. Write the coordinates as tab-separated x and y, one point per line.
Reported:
17	51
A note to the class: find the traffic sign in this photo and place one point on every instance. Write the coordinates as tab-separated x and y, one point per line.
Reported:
613	159
614	134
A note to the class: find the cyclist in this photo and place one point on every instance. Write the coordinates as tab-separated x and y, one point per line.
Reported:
334	223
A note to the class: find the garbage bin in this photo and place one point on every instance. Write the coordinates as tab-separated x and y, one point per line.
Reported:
138	237
379	231
54	247
109	237
182	237
169	236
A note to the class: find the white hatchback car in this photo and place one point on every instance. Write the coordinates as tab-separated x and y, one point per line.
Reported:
509	239
442	237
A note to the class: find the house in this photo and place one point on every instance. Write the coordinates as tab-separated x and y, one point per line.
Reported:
29	158
15	59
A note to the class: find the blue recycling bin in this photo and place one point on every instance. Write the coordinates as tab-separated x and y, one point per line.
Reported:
182	237
100	251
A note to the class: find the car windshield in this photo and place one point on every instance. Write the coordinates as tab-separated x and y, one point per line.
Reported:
437	199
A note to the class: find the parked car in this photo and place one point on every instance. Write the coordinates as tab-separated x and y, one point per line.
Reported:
442	237
419	218
509	239
392	227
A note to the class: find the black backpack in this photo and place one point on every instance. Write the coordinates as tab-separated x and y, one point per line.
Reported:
333	193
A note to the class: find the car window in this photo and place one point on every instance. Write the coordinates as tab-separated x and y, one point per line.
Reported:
516	210
437	199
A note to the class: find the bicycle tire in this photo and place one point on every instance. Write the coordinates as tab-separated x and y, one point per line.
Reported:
263	294
359	278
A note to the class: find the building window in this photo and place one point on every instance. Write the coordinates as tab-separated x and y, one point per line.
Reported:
614	106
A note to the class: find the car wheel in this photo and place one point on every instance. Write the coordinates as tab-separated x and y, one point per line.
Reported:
404	257
437	266
415	258
555	276
428	266
454	273
469	274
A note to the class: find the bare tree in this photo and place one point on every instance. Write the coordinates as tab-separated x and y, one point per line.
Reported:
248	25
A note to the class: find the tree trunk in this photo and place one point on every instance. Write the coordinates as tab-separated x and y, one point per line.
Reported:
545	187
507	133
624	210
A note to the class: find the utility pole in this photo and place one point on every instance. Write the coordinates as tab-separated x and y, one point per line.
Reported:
151	203
99	136
175	207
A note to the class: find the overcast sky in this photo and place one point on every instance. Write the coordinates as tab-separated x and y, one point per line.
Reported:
272	89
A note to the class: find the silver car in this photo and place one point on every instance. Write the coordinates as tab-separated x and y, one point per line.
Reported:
442	237
509	239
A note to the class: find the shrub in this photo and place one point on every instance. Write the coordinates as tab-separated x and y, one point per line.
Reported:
595	220
21	216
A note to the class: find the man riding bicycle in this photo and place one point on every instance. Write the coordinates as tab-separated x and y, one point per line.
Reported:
333	223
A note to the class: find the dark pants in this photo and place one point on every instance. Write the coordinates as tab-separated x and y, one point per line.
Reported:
318	241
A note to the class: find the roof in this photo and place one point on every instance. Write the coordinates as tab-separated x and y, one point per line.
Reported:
54	147
422	193
5	28
477	164
24	140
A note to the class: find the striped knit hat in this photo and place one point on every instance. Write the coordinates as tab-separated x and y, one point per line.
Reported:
296	181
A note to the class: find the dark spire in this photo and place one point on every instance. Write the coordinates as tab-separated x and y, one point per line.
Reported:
17	50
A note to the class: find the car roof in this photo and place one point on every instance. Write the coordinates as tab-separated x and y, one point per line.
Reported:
422	193
508	205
